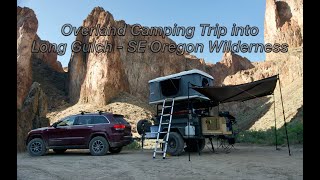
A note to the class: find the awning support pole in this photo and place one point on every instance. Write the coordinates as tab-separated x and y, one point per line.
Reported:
189	115
275	120
284	118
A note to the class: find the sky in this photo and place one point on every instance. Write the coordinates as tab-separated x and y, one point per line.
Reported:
53	14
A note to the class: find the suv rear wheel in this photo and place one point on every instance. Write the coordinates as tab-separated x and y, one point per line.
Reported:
98	146
115	150
59	151
175	144
36	147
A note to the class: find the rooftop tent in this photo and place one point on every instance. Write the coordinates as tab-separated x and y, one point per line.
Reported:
170	87
241	92
176	86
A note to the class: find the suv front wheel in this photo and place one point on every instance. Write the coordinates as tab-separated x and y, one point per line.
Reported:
98	146
36	147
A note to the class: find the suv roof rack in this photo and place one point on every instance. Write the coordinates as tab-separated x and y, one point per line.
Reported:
100	111
82	112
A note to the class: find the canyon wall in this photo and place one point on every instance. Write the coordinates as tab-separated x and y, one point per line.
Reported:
98	77
283	24
32	68
27	25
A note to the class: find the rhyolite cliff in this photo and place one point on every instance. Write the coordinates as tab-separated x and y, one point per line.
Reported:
27	25
283	24
98	77
37	77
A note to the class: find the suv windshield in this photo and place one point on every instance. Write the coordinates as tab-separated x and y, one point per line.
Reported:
68	121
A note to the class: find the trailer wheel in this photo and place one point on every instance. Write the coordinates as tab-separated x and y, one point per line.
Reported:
192	145
175	144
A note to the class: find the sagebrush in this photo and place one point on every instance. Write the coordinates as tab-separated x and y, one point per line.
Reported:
294	129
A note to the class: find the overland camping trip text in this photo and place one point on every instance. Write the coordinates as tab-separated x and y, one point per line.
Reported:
158	44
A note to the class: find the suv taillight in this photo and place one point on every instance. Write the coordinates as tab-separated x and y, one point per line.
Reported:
119	126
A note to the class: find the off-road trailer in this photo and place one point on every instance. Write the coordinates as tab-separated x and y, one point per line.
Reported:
193	118
195	111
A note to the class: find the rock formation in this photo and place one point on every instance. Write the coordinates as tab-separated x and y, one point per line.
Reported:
53	83
49	58
48	71
258	113
283	24
27	25
289	68
98	77
230	64
32	114
33	67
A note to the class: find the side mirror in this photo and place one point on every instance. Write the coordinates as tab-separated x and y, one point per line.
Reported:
54	125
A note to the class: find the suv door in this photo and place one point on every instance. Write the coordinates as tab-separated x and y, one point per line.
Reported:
81	130
59	136
101	125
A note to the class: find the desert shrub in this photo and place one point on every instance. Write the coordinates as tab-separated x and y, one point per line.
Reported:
133	146
294	129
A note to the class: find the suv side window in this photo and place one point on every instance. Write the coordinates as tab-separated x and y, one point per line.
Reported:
99	120
68	121
83	120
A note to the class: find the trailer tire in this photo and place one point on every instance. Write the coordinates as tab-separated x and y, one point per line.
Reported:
175	143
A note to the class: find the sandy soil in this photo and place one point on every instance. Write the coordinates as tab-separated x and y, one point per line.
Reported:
244	162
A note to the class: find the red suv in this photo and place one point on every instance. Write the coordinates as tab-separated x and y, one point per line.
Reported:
99	132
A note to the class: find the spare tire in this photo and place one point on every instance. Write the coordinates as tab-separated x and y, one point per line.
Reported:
143	124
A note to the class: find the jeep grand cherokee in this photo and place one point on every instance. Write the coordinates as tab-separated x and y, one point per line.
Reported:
98	132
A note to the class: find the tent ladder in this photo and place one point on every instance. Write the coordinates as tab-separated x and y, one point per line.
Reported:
160	129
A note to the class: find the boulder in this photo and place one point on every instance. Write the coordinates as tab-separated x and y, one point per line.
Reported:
32	115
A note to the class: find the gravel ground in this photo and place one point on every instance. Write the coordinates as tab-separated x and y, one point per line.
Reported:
243	162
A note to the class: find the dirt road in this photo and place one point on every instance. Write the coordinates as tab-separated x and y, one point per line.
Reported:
244	162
